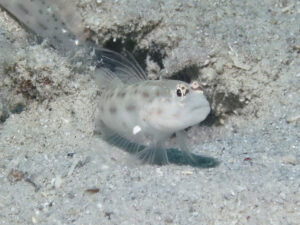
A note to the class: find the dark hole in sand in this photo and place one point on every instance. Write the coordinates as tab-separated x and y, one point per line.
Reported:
156	51
187	74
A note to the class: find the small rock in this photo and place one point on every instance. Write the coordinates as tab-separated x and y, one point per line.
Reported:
287	8
104	167
99	205
15	175
220	66
239	64
290	159
57	182
92	190
208	74
187	172
34	220
293	118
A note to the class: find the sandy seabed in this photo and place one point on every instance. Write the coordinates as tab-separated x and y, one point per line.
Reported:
54	170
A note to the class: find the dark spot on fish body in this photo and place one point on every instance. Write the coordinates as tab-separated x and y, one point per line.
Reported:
121	94
124	124
157	93
130	107
42	26
112	109
145	94
54	18
57	39
23	8
108	95
159	111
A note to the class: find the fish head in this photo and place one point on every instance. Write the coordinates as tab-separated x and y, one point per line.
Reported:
182	106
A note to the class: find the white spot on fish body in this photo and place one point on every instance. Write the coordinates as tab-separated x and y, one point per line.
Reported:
136	129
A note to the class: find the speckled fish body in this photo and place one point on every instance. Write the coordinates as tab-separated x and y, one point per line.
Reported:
148	112
151	107
143	112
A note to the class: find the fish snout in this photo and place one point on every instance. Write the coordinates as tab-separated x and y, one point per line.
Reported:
195	86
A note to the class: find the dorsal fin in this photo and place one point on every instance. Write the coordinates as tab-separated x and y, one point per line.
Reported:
114	65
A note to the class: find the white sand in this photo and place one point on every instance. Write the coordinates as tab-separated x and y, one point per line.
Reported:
49	156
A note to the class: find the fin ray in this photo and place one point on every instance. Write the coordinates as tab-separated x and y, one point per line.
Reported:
128	71
181	139
153	154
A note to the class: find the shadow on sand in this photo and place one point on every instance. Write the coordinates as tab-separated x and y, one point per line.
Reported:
174	155
177	157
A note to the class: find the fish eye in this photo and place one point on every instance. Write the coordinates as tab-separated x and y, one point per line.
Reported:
178	92
182	90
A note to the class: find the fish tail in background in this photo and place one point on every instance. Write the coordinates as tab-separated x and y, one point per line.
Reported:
54	20
59	22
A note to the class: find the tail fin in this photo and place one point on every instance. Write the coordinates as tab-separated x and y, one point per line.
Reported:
49	19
